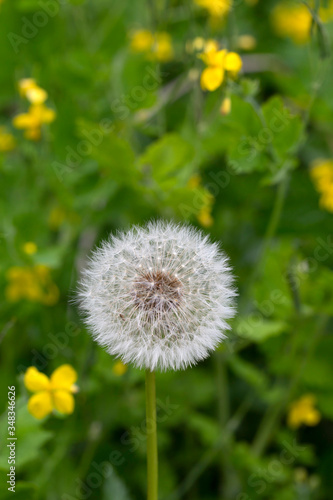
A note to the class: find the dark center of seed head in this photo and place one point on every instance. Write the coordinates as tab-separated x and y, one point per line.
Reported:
157	291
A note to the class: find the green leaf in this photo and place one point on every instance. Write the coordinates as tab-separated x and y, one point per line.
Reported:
206	427
114	155
168	161
248	372
283	130
30	436
258	329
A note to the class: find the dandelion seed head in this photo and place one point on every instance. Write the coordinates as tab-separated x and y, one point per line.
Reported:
158	296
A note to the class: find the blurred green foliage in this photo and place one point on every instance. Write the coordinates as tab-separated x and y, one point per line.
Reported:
134	139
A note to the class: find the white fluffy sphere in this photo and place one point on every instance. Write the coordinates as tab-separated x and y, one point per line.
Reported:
158	296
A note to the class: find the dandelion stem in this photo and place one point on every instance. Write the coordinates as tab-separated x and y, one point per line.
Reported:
152	462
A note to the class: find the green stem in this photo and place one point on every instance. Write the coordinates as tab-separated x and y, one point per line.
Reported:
277	210
152	462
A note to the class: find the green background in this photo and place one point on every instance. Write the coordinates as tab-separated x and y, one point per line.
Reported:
223	430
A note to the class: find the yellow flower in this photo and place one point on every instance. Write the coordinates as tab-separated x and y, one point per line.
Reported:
30	248
205	217
217	62
157	46
302	411
31	122
28	88
36	95
322	177
7	140
194	182
119	368
246	42
54	393
215	8
31	283
225	106
56	218
195	45
25	85
142	41
293	21
38	114
162	49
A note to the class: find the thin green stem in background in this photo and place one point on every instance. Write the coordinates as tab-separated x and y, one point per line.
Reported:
152	462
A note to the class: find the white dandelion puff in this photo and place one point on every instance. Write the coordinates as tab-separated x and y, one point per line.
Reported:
158	296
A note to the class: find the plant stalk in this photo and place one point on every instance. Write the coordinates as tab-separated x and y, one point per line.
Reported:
152	461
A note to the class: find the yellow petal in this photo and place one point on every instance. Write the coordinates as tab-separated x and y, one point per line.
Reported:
29	248
211	78
63	401
233	62
312	417
142	40
41	113
36	381
25	120
33	134
119	368
26	84
63	377
225	106
36	95
40	404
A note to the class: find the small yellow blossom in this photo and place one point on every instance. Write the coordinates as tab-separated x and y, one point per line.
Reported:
322	177
162	48
142	41
38	114
194	182
25	85
246	42
31	283
217	62
225	106
7	140
54	393
157	46
119	368
302	411
215	8
36	95
31	122
205	217
30	248
195	45
56	218
29	89
292	21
